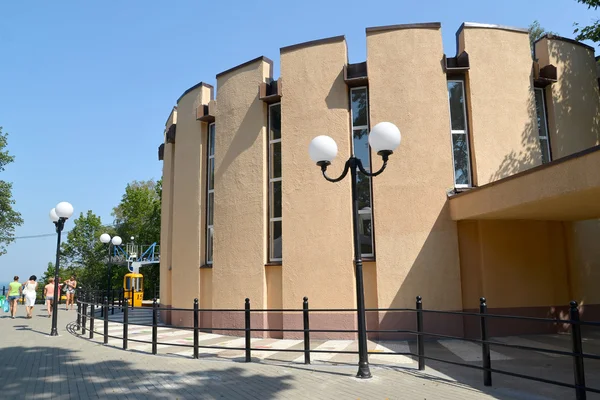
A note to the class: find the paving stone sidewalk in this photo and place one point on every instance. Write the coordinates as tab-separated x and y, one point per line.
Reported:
36	366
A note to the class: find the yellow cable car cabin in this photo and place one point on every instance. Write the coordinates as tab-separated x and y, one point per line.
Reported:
135	281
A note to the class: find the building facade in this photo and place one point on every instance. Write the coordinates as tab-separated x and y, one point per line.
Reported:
493	191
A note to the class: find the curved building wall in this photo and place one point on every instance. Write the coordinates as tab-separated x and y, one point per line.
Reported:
317	224
418	248
416	241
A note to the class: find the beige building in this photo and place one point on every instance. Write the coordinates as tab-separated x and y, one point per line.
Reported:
494	190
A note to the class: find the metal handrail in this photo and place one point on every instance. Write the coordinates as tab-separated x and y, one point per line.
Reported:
86	306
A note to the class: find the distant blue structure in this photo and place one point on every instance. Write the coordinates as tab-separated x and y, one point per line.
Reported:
136	256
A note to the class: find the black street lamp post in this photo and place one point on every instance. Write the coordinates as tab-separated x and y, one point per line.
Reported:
59	216
384	138
115	241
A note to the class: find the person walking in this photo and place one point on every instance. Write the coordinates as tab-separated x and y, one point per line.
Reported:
30	292
70	284
49	296
14	292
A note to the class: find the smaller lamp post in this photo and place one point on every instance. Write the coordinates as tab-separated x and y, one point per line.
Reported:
383	139
59	215
115	241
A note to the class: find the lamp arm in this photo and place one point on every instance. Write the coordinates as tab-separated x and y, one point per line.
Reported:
384	157
339	178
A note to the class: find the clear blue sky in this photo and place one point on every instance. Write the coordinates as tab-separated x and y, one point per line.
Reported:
86	87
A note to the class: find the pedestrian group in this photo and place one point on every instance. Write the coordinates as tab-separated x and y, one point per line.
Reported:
28	290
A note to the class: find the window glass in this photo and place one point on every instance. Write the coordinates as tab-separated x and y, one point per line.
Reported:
211	207
461	159
276	160
275	182
275	121
211	140
542	123
210	194
362	151
366	243
359	107
457	110
276	242
361	147
276	195
209	244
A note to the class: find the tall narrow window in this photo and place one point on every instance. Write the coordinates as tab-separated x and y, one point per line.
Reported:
542	122
210	194
359	98
459	133
275	183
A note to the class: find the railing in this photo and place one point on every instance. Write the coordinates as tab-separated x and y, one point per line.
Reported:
87	306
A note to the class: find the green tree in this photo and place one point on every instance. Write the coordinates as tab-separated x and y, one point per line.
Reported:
63	275
592	31
83	254
9	218
138	215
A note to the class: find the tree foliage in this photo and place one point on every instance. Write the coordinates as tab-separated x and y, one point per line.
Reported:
83	254
138	215
9	217
592	31
63	274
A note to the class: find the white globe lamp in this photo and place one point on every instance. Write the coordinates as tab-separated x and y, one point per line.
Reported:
53	216
105	238
64	210
384	138
322	150
116	241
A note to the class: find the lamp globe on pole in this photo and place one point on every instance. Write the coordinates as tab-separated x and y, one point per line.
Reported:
383	139
64	210
58	216
53	215
322	150
105	238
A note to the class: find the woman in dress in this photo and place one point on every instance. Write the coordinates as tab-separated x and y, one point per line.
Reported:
71	284
30	292
14	292
49	296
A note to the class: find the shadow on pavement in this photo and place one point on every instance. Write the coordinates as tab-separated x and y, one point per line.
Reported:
59	373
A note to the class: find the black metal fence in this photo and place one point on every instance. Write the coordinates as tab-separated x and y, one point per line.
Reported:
87	307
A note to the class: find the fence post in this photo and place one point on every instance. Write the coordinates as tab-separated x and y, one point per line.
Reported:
485	347
195	328
306	331
420	342
122	298
578	370
78	313
92	317
132	297
105	320
84	316
247	315
154	325
112	295
125	322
